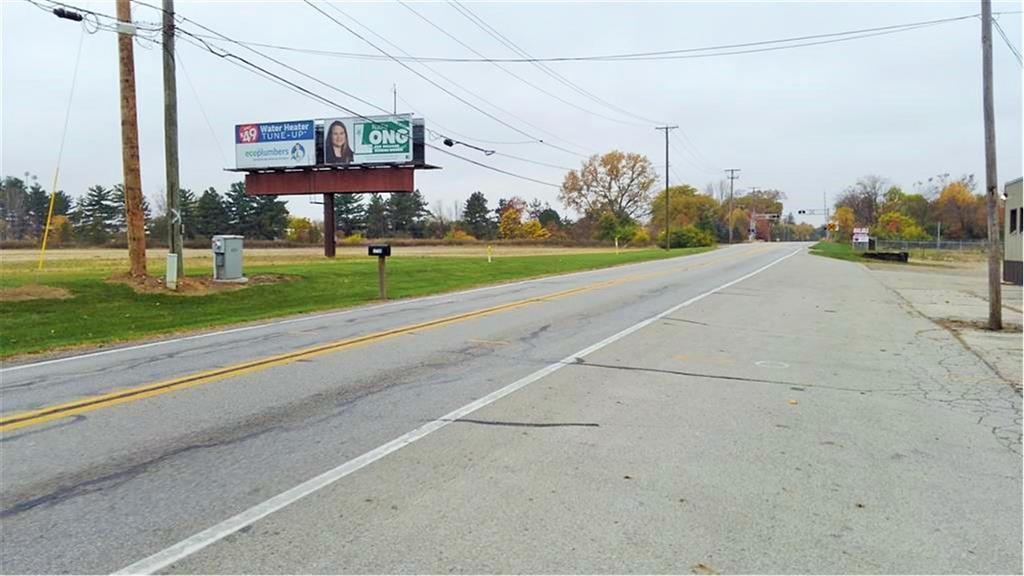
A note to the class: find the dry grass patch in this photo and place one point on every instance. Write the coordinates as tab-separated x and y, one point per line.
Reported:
33	292
194	286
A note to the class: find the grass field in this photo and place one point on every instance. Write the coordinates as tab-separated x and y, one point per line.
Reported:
101	312
840	250
918	257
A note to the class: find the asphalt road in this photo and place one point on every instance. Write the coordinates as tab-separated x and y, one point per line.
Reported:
751	409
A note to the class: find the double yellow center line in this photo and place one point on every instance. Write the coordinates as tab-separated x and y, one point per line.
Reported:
57	411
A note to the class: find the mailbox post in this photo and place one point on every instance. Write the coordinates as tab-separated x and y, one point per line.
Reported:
381	251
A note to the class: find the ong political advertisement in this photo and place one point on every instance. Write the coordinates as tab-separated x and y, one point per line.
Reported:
368	140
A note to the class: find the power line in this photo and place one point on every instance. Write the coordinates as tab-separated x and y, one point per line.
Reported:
228	39
695	152
513	74
473	17
246	64
463	88
202	110
483	25
696	165
1016	53
482	165
683	53
434	83
270	58
305	92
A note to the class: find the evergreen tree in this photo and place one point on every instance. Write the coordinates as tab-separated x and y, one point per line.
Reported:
549	216
349	213
406	212
37	204
241	211
14	222
377	217
476	217
271	218
97	215
120	219
187	208
211	215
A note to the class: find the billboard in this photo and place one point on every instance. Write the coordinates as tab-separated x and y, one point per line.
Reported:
368	140
275	144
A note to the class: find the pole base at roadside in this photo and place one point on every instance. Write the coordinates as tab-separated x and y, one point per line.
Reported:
171	278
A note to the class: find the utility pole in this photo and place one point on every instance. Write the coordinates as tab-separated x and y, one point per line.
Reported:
668	239
394	98
824	208
174	223
130	142
995	297
732	177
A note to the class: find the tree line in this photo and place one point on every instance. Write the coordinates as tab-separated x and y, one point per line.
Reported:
613	196
97	217
939	206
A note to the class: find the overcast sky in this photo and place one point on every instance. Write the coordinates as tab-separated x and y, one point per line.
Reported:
808	120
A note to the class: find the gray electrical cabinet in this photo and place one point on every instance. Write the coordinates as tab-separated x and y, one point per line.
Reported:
227	259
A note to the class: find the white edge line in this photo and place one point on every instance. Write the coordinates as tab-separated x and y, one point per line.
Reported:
305	318
201	540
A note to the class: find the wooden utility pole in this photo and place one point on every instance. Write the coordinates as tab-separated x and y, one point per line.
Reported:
732	177
130	144
995	297
174	222
668	239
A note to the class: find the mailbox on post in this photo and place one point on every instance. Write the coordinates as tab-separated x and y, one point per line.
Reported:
381	251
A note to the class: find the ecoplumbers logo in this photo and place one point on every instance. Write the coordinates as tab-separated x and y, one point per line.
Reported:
298	152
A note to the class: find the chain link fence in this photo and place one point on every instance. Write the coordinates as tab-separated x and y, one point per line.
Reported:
909	246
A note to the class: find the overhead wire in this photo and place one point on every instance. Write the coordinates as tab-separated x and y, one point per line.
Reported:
436	84
716	50
476	19
1013	49
223	37
307	93
195	94
60	149
190	38
492	168
513	74
493	32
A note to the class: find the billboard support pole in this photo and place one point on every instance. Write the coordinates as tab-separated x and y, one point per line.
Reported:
329	226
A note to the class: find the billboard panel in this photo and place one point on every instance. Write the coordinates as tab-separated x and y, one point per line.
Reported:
368	140
275	144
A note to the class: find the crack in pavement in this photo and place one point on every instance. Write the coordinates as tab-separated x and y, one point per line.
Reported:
527	424
582	362
115	479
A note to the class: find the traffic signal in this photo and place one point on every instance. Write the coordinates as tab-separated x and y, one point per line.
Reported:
801	211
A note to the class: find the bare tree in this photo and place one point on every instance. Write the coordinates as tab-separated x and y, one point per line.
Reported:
864	198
